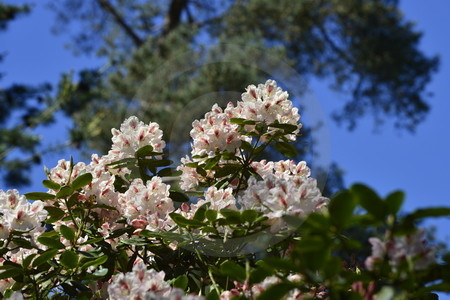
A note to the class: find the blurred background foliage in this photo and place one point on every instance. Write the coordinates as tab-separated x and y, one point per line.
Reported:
161	55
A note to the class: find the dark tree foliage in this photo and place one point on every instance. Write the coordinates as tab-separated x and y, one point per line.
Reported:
168	61
22	108
365	48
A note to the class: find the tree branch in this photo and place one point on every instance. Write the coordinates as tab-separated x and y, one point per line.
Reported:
108	7
173	17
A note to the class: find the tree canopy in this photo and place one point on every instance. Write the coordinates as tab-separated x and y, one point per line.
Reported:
163	57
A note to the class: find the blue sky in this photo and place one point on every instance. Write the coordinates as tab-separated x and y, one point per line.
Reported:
388	160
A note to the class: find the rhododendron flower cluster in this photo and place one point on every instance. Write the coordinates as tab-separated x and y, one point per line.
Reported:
400	250
115	228
143	284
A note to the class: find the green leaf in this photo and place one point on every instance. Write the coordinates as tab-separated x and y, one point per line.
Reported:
241	121
39	196
27	260
277	291
22	243
44	257
233	270
232	216
212	295
250	215
144	151
82	181
51	185
10	273
201	211
211	215
169	172
69	259
96	262
135	241
341	209
181	282
51	242
64	192
67	232
201	171
286	149
183	222
430	212
227	170
93	241
246	146
55	213
154	163
210	163
287	128
394	201
370	201
178	196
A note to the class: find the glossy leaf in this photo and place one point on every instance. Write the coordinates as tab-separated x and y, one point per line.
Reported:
82	181
39	196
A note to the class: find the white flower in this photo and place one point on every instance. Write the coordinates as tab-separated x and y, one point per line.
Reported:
147	204
143	283
19	214
282	194
268	103
215	132
132	136
60	174
189	176
400	249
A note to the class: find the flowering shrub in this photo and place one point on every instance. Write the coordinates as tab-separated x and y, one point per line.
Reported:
235	227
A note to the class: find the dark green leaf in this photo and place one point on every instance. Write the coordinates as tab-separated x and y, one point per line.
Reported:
69	259
233	270
200	213
246	146
154	163
227	170
211	215
64	192
241	121
96	262
9	273
431	212
178	196
39	196
286	149
370	201
200	170
169	172
181	282
250	215
144	151
210	163
67	232
55	213
287	128
82	181
44	257
232	216
394	201
341	209
183	222
51	242
277	291
51	185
